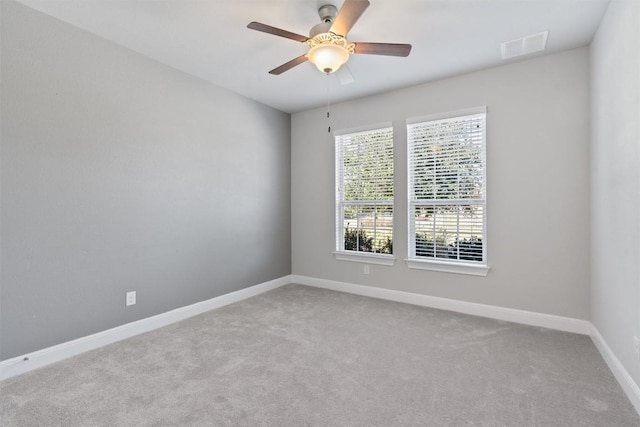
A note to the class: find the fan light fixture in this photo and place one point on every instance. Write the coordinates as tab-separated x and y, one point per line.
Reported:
329	51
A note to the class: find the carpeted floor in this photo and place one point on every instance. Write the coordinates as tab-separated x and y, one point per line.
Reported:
300	356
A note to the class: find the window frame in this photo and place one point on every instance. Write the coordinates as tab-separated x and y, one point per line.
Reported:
354	255
477	268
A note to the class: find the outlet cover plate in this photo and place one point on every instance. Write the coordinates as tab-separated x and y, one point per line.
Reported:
131	298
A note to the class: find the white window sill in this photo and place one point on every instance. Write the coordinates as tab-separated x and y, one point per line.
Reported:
365	257
448	267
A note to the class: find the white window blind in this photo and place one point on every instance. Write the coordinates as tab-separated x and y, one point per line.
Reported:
364	191
446	191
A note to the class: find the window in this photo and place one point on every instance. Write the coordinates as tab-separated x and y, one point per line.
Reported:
364	195
446	192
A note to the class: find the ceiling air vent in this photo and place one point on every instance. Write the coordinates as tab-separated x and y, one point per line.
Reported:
524	45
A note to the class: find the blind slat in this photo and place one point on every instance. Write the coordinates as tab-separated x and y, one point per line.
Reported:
446	167
364	191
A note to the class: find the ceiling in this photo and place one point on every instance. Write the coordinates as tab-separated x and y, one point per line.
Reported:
209	39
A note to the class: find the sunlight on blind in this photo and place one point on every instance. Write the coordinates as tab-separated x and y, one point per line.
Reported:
364	191
447	189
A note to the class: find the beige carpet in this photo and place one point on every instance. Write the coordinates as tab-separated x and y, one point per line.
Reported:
299	356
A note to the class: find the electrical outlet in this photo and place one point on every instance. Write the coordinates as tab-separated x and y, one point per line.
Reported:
366	269
131	298
636	347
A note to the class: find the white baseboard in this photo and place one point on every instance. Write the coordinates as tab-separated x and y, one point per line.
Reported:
28	362
629	386
560	323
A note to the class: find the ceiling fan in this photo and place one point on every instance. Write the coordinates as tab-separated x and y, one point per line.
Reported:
328	45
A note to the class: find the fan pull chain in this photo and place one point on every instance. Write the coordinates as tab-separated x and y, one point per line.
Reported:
329	102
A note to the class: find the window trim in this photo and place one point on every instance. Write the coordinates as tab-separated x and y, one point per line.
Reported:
365	257
442	265
359	256
448	267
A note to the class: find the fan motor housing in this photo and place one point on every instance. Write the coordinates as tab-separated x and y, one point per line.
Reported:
319	29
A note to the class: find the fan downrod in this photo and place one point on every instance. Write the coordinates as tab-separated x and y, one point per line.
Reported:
327	13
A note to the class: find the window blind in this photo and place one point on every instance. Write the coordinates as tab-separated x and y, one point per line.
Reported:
364	191
446	191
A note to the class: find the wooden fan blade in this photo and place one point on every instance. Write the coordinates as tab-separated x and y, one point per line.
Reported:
277	32
288	65
349	13
389	49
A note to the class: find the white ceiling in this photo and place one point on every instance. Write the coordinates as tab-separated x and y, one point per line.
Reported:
209	39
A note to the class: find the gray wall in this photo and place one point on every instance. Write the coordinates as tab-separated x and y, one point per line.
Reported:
615	181
119	173
538	196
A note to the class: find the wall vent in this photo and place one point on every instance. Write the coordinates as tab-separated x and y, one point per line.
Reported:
524	45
